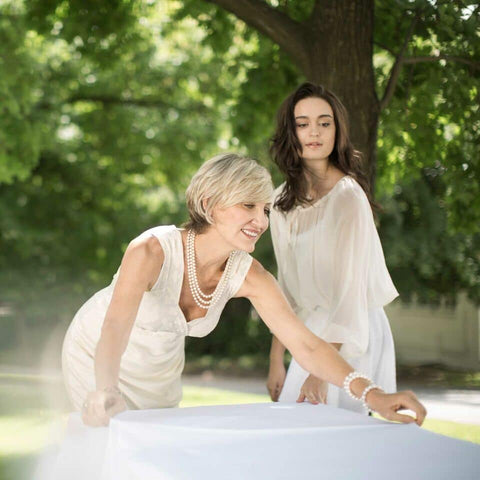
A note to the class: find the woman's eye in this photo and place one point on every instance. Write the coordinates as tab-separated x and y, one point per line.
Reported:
325	124
301	125
249	205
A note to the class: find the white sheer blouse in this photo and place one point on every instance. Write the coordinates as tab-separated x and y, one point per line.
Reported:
330	261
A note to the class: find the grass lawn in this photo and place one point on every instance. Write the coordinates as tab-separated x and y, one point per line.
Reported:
461	431
26	419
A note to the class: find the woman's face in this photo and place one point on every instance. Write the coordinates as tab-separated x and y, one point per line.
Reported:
241	225
315	128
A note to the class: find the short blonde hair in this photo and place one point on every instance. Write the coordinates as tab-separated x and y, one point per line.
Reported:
224	181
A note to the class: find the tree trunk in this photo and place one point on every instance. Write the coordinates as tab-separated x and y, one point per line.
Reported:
340	57
334	47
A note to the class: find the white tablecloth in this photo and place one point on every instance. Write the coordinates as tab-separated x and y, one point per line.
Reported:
259	441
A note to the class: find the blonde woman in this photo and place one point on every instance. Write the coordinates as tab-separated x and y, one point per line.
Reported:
125	347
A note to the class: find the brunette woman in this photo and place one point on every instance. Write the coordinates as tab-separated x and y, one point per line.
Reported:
330	261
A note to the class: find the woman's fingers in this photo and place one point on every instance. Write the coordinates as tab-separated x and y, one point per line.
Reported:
301	398
117	407
92	420
388	405
313	398
315	390
99	407
274	388
410	401
309	396
99	412
274	392
398	417
270	392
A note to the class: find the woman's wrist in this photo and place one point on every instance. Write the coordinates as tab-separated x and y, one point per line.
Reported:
276	357
112	389
358	385
361	388
372	397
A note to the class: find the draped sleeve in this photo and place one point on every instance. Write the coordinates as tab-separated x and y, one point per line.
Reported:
357	257
279	236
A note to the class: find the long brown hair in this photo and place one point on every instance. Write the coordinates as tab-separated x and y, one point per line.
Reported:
286	149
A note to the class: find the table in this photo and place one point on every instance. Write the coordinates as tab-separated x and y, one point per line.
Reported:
259	442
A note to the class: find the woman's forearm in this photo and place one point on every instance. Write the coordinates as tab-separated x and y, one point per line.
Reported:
108	355
324	362
277	351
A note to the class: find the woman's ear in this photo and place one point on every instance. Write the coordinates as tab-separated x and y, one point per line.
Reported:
205	203
205	206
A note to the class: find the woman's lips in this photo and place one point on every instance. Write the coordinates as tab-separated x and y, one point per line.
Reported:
252	234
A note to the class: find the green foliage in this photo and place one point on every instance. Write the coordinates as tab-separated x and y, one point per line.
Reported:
427	263
114	145
428	156
19	136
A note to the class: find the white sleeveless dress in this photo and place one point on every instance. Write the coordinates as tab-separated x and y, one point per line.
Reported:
332	269
153	361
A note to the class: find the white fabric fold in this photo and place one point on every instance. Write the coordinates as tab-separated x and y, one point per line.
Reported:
258	442
332	270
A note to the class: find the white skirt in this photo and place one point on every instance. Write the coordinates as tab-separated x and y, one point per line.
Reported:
378	362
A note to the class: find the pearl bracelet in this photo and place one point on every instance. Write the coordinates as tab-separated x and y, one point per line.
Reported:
363	398
349	379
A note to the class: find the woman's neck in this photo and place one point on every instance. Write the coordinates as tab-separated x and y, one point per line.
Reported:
211	252
321	177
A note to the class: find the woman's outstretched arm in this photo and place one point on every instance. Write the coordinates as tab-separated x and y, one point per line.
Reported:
315	355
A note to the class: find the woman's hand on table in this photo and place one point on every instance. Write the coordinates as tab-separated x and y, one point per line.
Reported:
313	390
389	404
101	405
276	379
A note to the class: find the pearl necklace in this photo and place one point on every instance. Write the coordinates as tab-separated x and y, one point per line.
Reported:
202	299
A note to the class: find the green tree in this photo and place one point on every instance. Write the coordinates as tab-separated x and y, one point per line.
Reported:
109	107
106	117
410	82
333	42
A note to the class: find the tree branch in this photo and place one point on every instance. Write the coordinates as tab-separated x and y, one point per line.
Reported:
269	21
397	66
384	47
148	102
436	58
433	58
317	8
112	100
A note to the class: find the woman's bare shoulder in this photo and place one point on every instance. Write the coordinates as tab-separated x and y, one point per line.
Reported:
145	246
257	278
143	260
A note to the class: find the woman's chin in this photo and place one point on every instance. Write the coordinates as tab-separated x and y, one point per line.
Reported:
245	248
246	245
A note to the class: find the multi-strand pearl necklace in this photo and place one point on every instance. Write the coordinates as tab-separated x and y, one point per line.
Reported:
202	299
